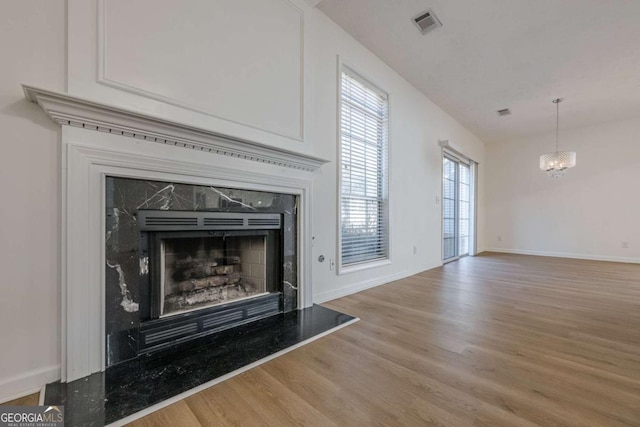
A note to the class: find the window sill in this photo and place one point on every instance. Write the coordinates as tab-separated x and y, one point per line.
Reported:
363	266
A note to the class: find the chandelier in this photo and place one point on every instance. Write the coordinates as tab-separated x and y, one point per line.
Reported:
557	162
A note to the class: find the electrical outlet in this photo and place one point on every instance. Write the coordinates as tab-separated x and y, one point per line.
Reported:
415	249
499	238
331	264
437	200
625	245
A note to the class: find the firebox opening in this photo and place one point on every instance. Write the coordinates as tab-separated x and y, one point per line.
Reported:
207	271
204	271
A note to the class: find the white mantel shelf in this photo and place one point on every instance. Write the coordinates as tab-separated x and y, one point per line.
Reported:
70	110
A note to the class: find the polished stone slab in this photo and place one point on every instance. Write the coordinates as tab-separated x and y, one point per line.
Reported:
132	386
127	268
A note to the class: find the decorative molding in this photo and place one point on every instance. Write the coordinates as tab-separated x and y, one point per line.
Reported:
104	80
87	158
73	111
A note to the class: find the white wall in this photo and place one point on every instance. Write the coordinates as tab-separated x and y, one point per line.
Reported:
588	213
32	42
416	125
31	174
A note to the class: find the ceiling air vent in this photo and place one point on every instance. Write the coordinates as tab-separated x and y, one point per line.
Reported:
427	21
504	112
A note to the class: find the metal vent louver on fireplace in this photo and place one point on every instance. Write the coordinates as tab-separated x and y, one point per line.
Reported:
165	332
172	333
427	21
212	222
156	220
269	222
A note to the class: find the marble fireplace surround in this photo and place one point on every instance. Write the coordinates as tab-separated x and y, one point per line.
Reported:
99	141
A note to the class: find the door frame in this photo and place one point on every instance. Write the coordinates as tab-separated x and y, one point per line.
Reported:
458	159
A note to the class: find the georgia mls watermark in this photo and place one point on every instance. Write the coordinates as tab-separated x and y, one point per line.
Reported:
31	416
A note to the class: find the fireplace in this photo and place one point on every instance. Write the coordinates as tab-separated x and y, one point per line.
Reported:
206	271
187	260
116	162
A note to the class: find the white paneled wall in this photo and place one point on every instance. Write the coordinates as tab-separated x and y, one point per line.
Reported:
237	61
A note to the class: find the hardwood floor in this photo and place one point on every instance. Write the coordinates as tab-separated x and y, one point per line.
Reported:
495	340
30	400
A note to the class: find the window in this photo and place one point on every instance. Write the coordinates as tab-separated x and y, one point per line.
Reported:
363	171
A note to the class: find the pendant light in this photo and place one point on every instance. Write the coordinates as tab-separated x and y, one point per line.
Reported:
557	162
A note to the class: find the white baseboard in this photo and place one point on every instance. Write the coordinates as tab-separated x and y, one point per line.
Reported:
567	255
27	383
357	287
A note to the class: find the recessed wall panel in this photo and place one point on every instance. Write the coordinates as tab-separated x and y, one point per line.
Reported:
240	61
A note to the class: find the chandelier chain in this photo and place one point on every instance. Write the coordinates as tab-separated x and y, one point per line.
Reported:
557	122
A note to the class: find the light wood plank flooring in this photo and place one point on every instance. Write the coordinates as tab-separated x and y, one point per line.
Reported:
494	340
30	400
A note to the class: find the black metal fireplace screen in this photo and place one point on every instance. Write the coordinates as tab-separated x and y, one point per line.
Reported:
208	271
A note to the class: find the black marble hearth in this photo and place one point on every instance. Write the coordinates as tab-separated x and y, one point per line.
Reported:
132	386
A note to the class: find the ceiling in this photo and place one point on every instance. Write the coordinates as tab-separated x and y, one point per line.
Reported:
517	54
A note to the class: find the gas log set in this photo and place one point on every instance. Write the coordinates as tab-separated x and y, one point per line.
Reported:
205	281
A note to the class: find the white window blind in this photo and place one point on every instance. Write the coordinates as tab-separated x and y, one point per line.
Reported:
363	177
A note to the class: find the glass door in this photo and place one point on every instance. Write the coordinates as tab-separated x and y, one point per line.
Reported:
464	211
457	193
449	211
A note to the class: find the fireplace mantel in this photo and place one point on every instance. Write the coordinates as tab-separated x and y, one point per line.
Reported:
70	110
100	141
